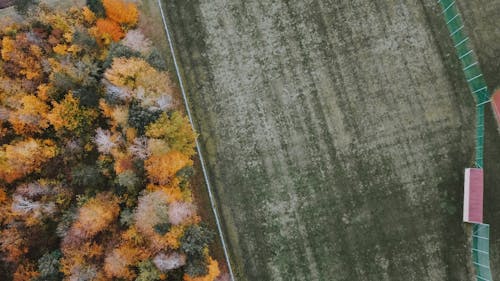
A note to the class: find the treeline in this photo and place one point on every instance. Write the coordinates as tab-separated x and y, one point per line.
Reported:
95	155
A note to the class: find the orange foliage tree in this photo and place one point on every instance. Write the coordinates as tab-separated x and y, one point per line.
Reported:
122	12
95	215
78	260
117	263
107	27
162	168
12	244
25	272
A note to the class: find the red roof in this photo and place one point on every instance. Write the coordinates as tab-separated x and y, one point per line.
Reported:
473	195
495	102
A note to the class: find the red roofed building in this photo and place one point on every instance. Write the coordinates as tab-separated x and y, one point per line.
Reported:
495	103
473	195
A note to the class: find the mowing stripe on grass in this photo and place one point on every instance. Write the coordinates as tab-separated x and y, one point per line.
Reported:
478	88
202	162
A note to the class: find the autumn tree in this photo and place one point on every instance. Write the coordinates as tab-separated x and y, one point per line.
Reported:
151	220
161	169
95	155
37	201
136	41
23	157
213	272
165	262
151	87
21	57
78	262
122	12
106	141
68	115
108	29
118	263
175	130
30	117
194	243
26	271
179	212
152	210
13	244
148	272
94	216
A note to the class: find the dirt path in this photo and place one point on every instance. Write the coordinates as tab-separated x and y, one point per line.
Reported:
336	133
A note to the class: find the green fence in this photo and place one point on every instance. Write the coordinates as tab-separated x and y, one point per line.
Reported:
480	251
478	88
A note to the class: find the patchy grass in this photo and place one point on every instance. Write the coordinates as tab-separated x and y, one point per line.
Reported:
336	132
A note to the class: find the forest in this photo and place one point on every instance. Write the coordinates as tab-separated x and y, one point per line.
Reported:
96	153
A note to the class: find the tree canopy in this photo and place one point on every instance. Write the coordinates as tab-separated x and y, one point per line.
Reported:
95	152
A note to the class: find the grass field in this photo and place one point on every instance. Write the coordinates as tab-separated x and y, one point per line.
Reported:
337	133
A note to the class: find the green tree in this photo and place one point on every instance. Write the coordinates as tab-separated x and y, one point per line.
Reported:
148	272
156	60
117	50
48	267
96	7
195	240
140	117
87	176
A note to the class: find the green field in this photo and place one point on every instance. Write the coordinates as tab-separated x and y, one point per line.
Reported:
337	133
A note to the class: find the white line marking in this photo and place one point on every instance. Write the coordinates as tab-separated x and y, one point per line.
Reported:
470	65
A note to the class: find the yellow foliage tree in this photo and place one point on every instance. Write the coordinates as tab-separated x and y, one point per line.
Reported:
30	117
127	71
88	16
25	56
152	87
67	114
122	12
176	131
24	157
8	48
